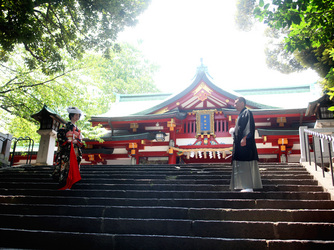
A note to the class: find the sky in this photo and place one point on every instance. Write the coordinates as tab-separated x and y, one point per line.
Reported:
176	34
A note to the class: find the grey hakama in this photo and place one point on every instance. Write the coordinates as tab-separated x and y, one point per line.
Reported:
245	170
245	174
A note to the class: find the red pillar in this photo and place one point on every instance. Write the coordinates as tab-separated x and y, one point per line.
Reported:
172	158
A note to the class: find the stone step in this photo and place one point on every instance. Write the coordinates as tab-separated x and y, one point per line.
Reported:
161	212
161	175
199	228
194	203
219	181
217	167
37	172
164	207
170	194
151	186
67	240
194	176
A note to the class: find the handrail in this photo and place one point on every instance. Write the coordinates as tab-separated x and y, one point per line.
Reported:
29	151
322	138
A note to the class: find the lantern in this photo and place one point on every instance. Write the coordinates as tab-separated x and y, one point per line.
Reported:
160	136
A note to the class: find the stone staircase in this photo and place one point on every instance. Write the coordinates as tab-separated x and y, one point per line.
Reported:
164	207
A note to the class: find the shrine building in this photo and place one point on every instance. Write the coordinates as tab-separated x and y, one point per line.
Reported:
191	126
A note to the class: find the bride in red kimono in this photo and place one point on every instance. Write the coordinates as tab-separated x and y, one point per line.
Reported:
69	155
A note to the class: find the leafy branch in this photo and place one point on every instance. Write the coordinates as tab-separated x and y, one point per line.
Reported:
22	85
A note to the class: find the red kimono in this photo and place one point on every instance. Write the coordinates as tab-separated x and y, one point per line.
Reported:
68	158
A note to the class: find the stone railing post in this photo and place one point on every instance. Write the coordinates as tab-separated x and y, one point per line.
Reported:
5	143
303	144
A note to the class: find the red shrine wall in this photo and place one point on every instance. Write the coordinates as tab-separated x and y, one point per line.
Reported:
271	148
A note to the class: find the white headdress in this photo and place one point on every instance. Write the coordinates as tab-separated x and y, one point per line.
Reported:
74	110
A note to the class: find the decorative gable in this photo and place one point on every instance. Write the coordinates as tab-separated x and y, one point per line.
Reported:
201	96
202	92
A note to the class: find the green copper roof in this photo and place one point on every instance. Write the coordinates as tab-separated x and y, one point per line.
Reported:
243	92
141	97
280	90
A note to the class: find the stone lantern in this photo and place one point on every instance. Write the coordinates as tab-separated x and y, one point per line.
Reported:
319	108
49	125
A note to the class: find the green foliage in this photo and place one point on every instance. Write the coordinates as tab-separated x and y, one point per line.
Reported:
128	72
317	58
244	14
90	84
310	21
46	57
310	27
48	30
24	92
23	128
19	127
277	57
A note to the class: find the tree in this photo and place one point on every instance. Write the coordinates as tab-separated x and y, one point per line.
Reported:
244	15
42	48
277	57
47	29
310	21
310	25
307	27
90	84
23	90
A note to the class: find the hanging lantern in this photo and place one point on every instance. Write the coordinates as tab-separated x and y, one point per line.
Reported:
281	121
160	136
283	141
134	126
171	124
170	151
133	145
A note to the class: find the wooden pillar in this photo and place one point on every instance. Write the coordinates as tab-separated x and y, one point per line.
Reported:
172	158
172	141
